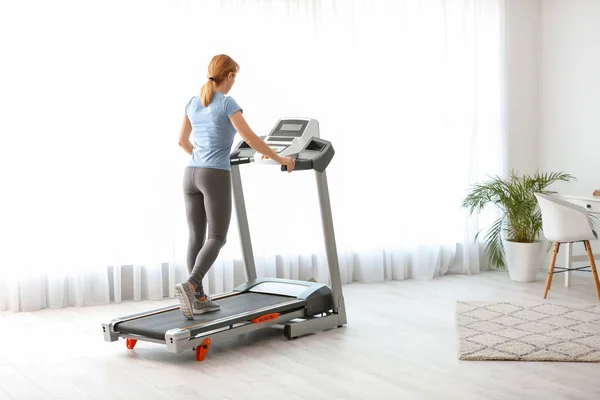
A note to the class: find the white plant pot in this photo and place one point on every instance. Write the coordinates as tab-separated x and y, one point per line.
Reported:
523	260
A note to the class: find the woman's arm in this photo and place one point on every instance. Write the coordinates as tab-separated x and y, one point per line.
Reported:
184	135
241	126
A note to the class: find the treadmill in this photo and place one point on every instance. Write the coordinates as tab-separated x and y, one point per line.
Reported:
300	307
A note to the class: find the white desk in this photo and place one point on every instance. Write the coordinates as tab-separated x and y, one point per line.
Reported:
592	204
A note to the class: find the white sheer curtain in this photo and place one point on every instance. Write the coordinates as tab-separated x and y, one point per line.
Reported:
409	92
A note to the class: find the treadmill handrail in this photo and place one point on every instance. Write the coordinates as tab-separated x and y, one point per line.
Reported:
242	218
330	246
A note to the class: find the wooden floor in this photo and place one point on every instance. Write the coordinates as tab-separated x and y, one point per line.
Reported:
400	343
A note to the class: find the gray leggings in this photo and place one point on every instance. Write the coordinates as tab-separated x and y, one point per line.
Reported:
207	195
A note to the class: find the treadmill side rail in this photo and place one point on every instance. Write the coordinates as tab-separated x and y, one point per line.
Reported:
179	340
283	308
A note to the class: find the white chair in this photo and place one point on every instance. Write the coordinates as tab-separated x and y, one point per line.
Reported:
565	222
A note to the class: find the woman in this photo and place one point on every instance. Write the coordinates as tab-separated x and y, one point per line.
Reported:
212	120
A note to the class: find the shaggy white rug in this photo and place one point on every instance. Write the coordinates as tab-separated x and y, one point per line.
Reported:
541	331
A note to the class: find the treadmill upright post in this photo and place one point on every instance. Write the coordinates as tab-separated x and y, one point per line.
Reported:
331	247
242	217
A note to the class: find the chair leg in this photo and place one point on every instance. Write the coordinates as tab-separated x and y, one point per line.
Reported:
551	270
588	247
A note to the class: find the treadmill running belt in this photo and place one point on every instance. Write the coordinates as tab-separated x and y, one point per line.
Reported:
155	326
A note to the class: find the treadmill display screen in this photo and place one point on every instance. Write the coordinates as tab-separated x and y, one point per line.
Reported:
291	127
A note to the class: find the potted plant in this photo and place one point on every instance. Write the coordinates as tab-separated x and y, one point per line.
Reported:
520	249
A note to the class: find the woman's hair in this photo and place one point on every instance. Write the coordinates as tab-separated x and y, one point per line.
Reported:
218	69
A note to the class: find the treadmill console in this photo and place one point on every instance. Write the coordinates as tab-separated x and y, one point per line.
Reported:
297	138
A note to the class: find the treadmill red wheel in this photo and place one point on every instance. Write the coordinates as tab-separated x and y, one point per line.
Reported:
202	350
130	343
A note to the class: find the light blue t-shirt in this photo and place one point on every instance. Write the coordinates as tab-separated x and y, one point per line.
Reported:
212	131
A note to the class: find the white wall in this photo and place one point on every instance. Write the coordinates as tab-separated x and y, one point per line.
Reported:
522	72
569	137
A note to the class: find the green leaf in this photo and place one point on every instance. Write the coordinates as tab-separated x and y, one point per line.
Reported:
493	244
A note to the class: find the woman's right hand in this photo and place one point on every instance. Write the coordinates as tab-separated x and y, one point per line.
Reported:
288	162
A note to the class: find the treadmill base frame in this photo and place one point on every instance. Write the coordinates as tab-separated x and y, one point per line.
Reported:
179	340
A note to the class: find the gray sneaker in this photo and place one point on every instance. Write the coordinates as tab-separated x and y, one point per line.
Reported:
186	298
201	307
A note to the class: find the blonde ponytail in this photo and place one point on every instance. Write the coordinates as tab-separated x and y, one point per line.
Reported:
218	69
206	92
